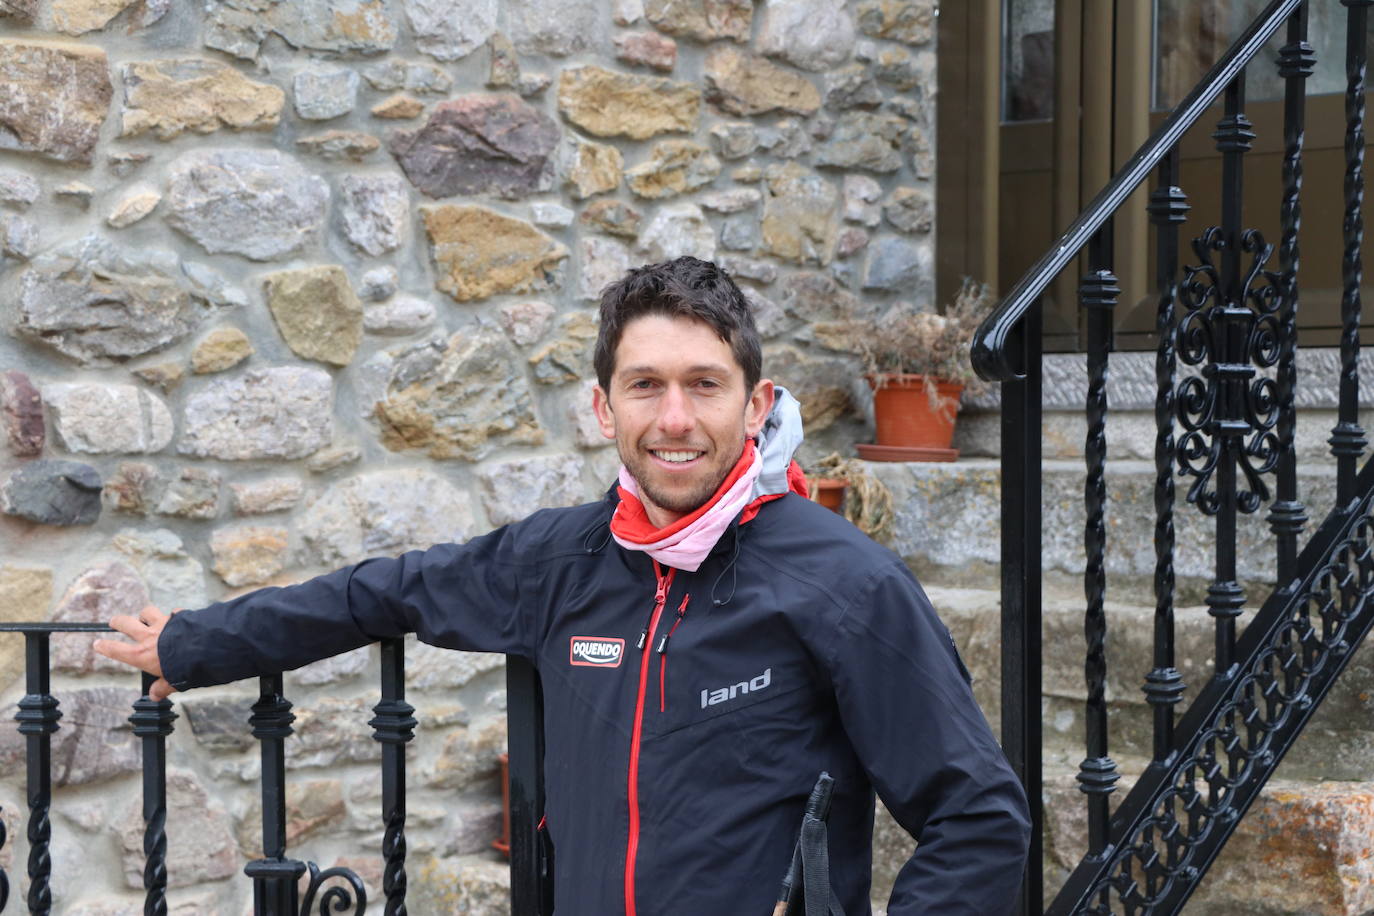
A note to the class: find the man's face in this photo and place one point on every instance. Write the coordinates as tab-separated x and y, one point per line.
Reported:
678	411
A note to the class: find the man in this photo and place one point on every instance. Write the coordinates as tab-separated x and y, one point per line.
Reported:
797	646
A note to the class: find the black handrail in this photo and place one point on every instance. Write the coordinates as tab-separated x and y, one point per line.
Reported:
991	352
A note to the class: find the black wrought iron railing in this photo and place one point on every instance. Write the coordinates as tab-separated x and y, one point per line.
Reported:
1226	337
276	876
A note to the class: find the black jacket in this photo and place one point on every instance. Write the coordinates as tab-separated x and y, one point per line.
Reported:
803	647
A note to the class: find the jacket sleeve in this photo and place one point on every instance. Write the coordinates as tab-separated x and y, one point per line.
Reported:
456	596
906	704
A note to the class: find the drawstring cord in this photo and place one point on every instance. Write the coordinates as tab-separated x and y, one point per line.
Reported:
591	533
734	579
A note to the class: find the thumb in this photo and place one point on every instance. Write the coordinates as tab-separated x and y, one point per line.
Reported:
161	689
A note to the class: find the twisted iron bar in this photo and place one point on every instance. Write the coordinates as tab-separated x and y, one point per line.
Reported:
1163	684
393	726
4	880
38	717
1347	438
1097	776
335	898
152	721
1287	516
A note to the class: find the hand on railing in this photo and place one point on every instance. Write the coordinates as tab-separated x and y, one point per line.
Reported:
142	652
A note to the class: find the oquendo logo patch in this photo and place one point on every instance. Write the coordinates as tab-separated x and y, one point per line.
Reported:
596	651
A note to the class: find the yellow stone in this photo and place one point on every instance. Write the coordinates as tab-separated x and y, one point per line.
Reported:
169	97
398	107
164	376
76	17
221	349
317	312
25	595
249	555
610	104
594	168
480	252
674	167
133	207
746	84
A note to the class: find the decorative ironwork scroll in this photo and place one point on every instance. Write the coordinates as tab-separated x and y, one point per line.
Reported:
338	899
1228	408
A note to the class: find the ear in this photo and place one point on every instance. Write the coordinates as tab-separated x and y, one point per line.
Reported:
756	410
601	405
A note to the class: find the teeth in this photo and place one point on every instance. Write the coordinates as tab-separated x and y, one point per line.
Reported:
677	456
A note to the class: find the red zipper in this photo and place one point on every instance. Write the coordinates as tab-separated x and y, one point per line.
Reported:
663	655
632	844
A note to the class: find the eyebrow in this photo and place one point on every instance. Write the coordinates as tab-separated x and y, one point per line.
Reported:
699	369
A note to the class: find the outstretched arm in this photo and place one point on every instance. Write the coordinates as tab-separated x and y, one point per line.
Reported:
456	596
142	652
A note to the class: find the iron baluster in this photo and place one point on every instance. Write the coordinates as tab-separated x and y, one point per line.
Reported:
1163	684
1347	438
531	865
37	717
1097	776
274	876
4	879
152	721
1021	590
1225	597
1287	516
393	726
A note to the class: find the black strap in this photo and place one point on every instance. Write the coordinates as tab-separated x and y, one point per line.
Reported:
813	857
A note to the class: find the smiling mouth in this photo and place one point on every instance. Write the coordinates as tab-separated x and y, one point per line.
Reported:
676	456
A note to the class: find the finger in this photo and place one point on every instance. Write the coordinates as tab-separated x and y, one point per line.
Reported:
118	650
129	626
152	615
161	689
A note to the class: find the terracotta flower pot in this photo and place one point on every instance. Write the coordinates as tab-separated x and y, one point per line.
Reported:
907	417
830	493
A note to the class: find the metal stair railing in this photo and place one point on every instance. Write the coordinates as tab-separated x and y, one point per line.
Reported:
1226	425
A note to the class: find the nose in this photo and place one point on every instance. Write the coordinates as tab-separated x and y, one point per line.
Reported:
675	418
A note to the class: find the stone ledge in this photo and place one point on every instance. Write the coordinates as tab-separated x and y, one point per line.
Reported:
1131	380
947	526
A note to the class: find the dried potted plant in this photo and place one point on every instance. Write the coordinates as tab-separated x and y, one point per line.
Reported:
917	364
862	498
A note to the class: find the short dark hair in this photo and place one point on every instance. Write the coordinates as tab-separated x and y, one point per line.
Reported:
685	287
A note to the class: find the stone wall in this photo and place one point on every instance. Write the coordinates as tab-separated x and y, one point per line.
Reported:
291	284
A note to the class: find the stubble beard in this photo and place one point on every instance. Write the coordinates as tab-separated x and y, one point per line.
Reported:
641	469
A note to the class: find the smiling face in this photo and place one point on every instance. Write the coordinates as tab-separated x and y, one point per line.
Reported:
679	411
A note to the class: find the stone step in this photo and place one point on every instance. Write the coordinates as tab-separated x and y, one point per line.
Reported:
1303	848
1338	742
947	527
1130	434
